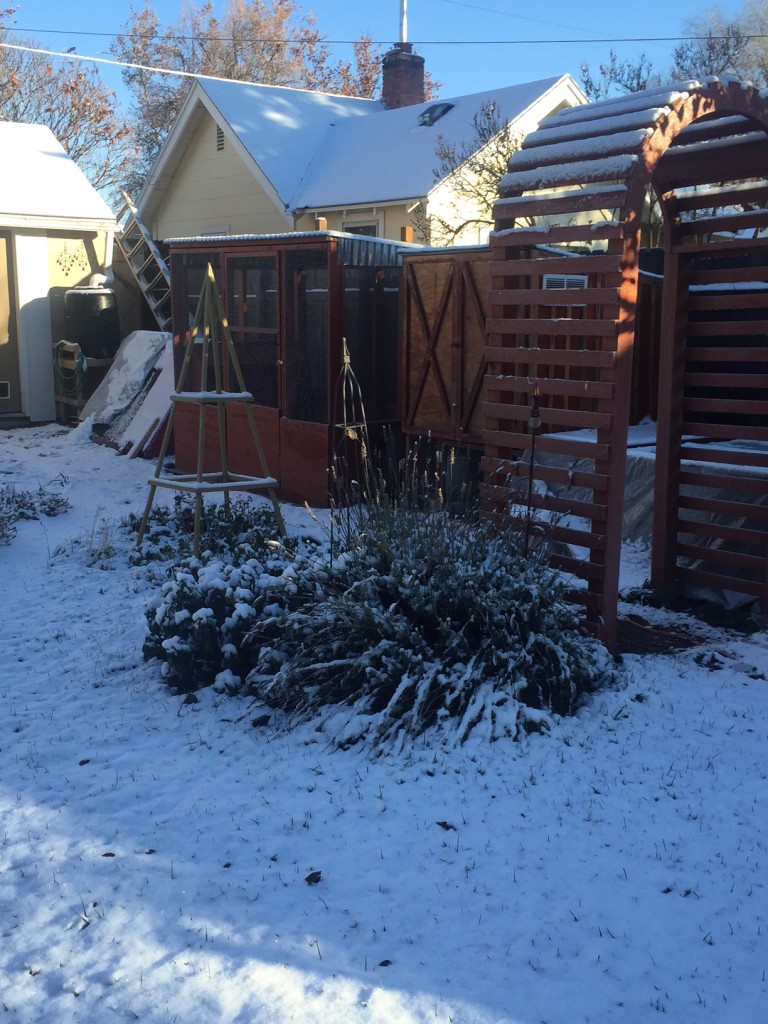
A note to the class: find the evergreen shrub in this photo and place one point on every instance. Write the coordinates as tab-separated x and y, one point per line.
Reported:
419	619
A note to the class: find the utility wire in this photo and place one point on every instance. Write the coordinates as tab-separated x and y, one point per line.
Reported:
72	55
69	55
416	42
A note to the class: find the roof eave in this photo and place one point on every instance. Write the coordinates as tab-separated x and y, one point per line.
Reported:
56	222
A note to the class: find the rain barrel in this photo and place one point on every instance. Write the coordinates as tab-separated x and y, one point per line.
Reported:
92	321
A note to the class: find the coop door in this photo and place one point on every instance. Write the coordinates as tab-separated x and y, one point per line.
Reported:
254	320
10	382
304	424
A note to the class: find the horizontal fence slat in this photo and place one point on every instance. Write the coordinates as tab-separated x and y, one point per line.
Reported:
712	276
553	297
577	567
726	196
552	503
726	328
546	444
560	326
726	354
551	387
720	507
711	579
726	432
725	481
734	406
717	531
577	419
719	556
724	222
575	538
724	456
725	380
512	267
553	475
705	302
716	245
571	202
554	234
588	358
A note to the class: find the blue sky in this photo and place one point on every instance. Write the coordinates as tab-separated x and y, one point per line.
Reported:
449	33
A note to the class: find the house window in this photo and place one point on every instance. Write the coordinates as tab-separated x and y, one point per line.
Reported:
372	230
219	139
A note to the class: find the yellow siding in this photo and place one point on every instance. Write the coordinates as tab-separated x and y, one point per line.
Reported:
214	192
74	258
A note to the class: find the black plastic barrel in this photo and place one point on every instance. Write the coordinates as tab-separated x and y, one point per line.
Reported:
92	321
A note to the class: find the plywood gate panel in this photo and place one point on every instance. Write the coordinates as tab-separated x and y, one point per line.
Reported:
443	344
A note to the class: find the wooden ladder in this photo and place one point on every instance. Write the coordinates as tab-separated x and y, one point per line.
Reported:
147	265
210	332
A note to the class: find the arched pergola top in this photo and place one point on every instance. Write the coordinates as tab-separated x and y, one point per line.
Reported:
571	211
690	133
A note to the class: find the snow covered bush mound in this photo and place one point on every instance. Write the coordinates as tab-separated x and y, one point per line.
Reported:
428	620
16	505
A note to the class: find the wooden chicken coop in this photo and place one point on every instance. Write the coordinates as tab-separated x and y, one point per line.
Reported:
290	300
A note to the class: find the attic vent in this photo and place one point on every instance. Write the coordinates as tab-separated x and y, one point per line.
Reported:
557	281
219	139
434	113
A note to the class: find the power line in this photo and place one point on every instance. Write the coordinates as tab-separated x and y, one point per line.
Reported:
114	63
415	42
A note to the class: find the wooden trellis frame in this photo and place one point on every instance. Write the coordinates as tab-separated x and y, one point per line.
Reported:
210	328
584	177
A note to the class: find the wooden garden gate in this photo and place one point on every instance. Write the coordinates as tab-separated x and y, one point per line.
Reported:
585	177
442	351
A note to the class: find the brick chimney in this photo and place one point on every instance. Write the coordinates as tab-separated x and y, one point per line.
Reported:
403	77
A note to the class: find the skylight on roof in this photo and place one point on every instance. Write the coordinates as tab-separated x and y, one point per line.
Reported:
434	113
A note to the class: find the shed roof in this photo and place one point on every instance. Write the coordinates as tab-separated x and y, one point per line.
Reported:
41	186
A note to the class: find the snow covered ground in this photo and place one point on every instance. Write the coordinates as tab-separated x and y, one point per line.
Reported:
159	859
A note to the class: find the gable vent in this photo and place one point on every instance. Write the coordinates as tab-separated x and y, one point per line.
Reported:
219	139
434	113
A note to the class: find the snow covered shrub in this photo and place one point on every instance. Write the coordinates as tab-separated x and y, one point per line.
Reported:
423	620
198	622
16	505
430	618
242	529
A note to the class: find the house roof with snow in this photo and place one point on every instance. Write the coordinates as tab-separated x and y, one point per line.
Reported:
41	186
315	150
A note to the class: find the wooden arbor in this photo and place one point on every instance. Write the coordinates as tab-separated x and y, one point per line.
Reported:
585	177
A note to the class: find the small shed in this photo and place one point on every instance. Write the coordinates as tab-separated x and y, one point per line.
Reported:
56	233
290	301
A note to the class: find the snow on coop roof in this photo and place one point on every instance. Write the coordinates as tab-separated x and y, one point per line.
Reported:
41	186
